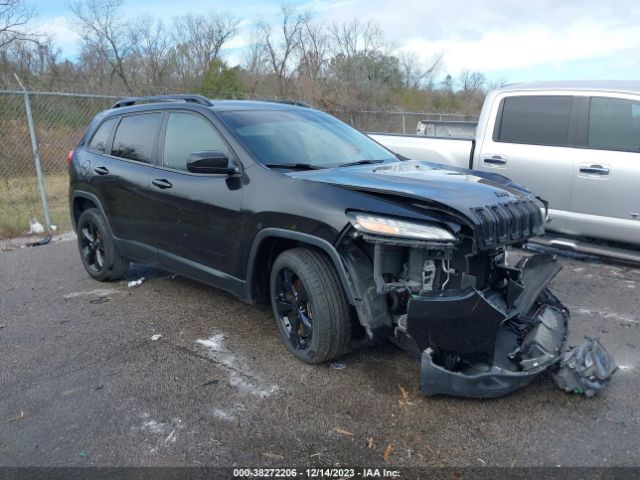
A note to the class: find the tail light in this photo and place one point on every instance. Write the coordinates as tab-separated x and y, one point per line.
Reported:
70	156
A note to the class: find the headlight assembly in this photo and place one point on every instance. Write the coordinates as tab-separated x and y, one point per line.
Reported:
393	227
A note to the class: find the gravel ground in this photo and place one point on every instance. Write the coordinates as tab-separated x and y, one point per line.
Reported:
172	372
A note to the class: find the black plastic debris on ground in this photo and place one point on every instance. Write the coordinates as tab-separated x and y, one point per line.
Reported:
585	369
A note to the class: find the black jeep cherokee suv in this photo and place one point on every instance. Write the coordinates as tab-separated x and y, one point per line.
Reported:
284	204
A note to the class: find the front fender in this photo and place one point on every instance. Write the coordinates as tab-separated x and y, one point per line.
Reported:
304	238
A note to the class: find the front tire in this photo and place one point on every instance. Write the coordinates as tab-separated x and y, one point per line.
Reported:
309	305
97	248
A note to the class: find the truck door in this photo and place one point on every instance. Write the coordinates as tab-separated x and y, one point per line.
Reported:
527	140
606	176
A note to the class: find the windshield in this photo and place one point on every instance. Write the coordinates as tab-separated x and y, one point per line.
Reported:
303	137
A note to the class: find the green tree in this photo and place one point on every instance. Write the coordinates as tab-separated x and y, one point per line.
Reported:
220	81
368	68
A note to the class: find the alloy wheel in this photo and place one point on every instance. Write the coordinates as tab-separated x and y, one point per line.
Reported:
294	309
92	246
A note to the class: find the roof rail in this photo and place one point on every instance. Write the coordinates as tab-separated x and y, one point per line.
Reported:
297	103
189	98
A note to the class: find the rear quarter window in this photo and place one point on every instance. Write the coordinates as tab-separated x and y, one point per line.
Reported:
99	140
136	136
534	120
614	124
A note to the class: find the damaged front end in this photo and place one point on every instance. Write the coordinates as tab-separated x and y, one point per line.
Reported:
489	343
480	327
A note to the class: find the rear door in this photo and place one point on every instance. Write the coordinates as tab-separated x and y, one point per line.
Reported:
532	144
120	176
197	217
605	195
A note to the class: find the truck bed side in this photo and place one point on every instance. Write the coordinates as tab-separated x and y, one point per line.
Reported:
449	151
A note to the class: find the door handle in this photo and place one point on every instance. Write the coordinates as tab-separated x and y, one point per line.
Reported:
162	183
101	170
595	170
495	160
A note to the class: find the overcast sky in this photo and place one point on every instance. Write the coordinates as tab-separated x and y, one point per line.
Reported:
524	40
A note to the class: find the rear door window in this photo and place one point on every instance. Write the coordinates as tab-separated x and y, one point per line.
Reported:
136	136
99	141
535	120
614	124
188	133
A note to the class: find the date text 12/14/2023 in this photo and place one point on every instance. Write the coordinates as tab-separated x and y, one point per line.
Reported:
315	473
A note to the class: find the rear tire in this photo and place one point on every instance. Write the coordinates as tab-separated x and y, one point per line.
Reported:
309	305
97	248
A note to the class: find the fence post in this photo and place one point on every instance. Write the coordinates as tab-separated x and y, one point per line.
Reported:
404	124
36	156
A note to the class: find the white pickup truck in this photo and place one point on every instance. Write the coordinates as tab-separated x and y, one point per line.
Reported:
575	144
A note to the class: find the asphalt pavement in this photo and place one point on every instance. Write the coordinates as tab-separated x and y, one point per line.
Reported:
173	372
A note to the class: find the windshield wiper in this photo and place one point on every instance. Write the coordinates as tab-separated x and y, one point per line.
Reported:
295	166
360	162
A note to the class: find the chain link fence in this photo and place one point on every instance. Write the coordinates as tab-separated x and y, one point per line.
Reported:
394	121
59	122
60	119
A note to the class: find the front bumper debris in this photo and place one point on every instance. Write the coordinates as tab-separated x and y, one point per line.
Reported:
488	343
539	351
585	369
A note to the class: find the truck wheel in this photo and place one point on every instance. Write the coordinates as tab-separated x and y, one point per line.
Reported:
97	248
309	305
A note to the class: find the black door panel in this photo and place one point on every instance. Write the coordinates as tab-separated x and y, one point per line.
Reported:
123	183
198	220
197	217
124	195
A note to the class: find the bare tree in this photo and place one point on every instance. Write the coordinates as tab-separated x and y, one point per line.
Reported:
104	33
255	62
96	73
281	48
152	49
498	83
473	82
314	45
14	16
30	58
354	38
348	64
199	40
417	73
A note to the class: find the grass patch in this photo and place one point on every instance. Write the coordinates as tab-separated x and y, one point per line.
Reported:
20	202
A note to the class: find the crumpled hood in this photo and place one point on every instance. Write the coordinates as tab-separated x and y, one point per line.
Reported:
457	188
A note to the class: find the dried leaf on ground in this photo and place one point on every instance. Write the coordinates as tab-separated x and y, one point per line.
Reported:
272	456
343	432
405	396
387	452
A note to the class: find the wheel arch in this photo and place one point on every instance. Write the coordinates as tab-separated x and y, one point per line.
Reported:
81	201
270	242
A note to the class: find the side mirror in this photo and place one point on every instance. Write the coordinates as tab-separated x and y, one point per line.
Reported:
211	161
